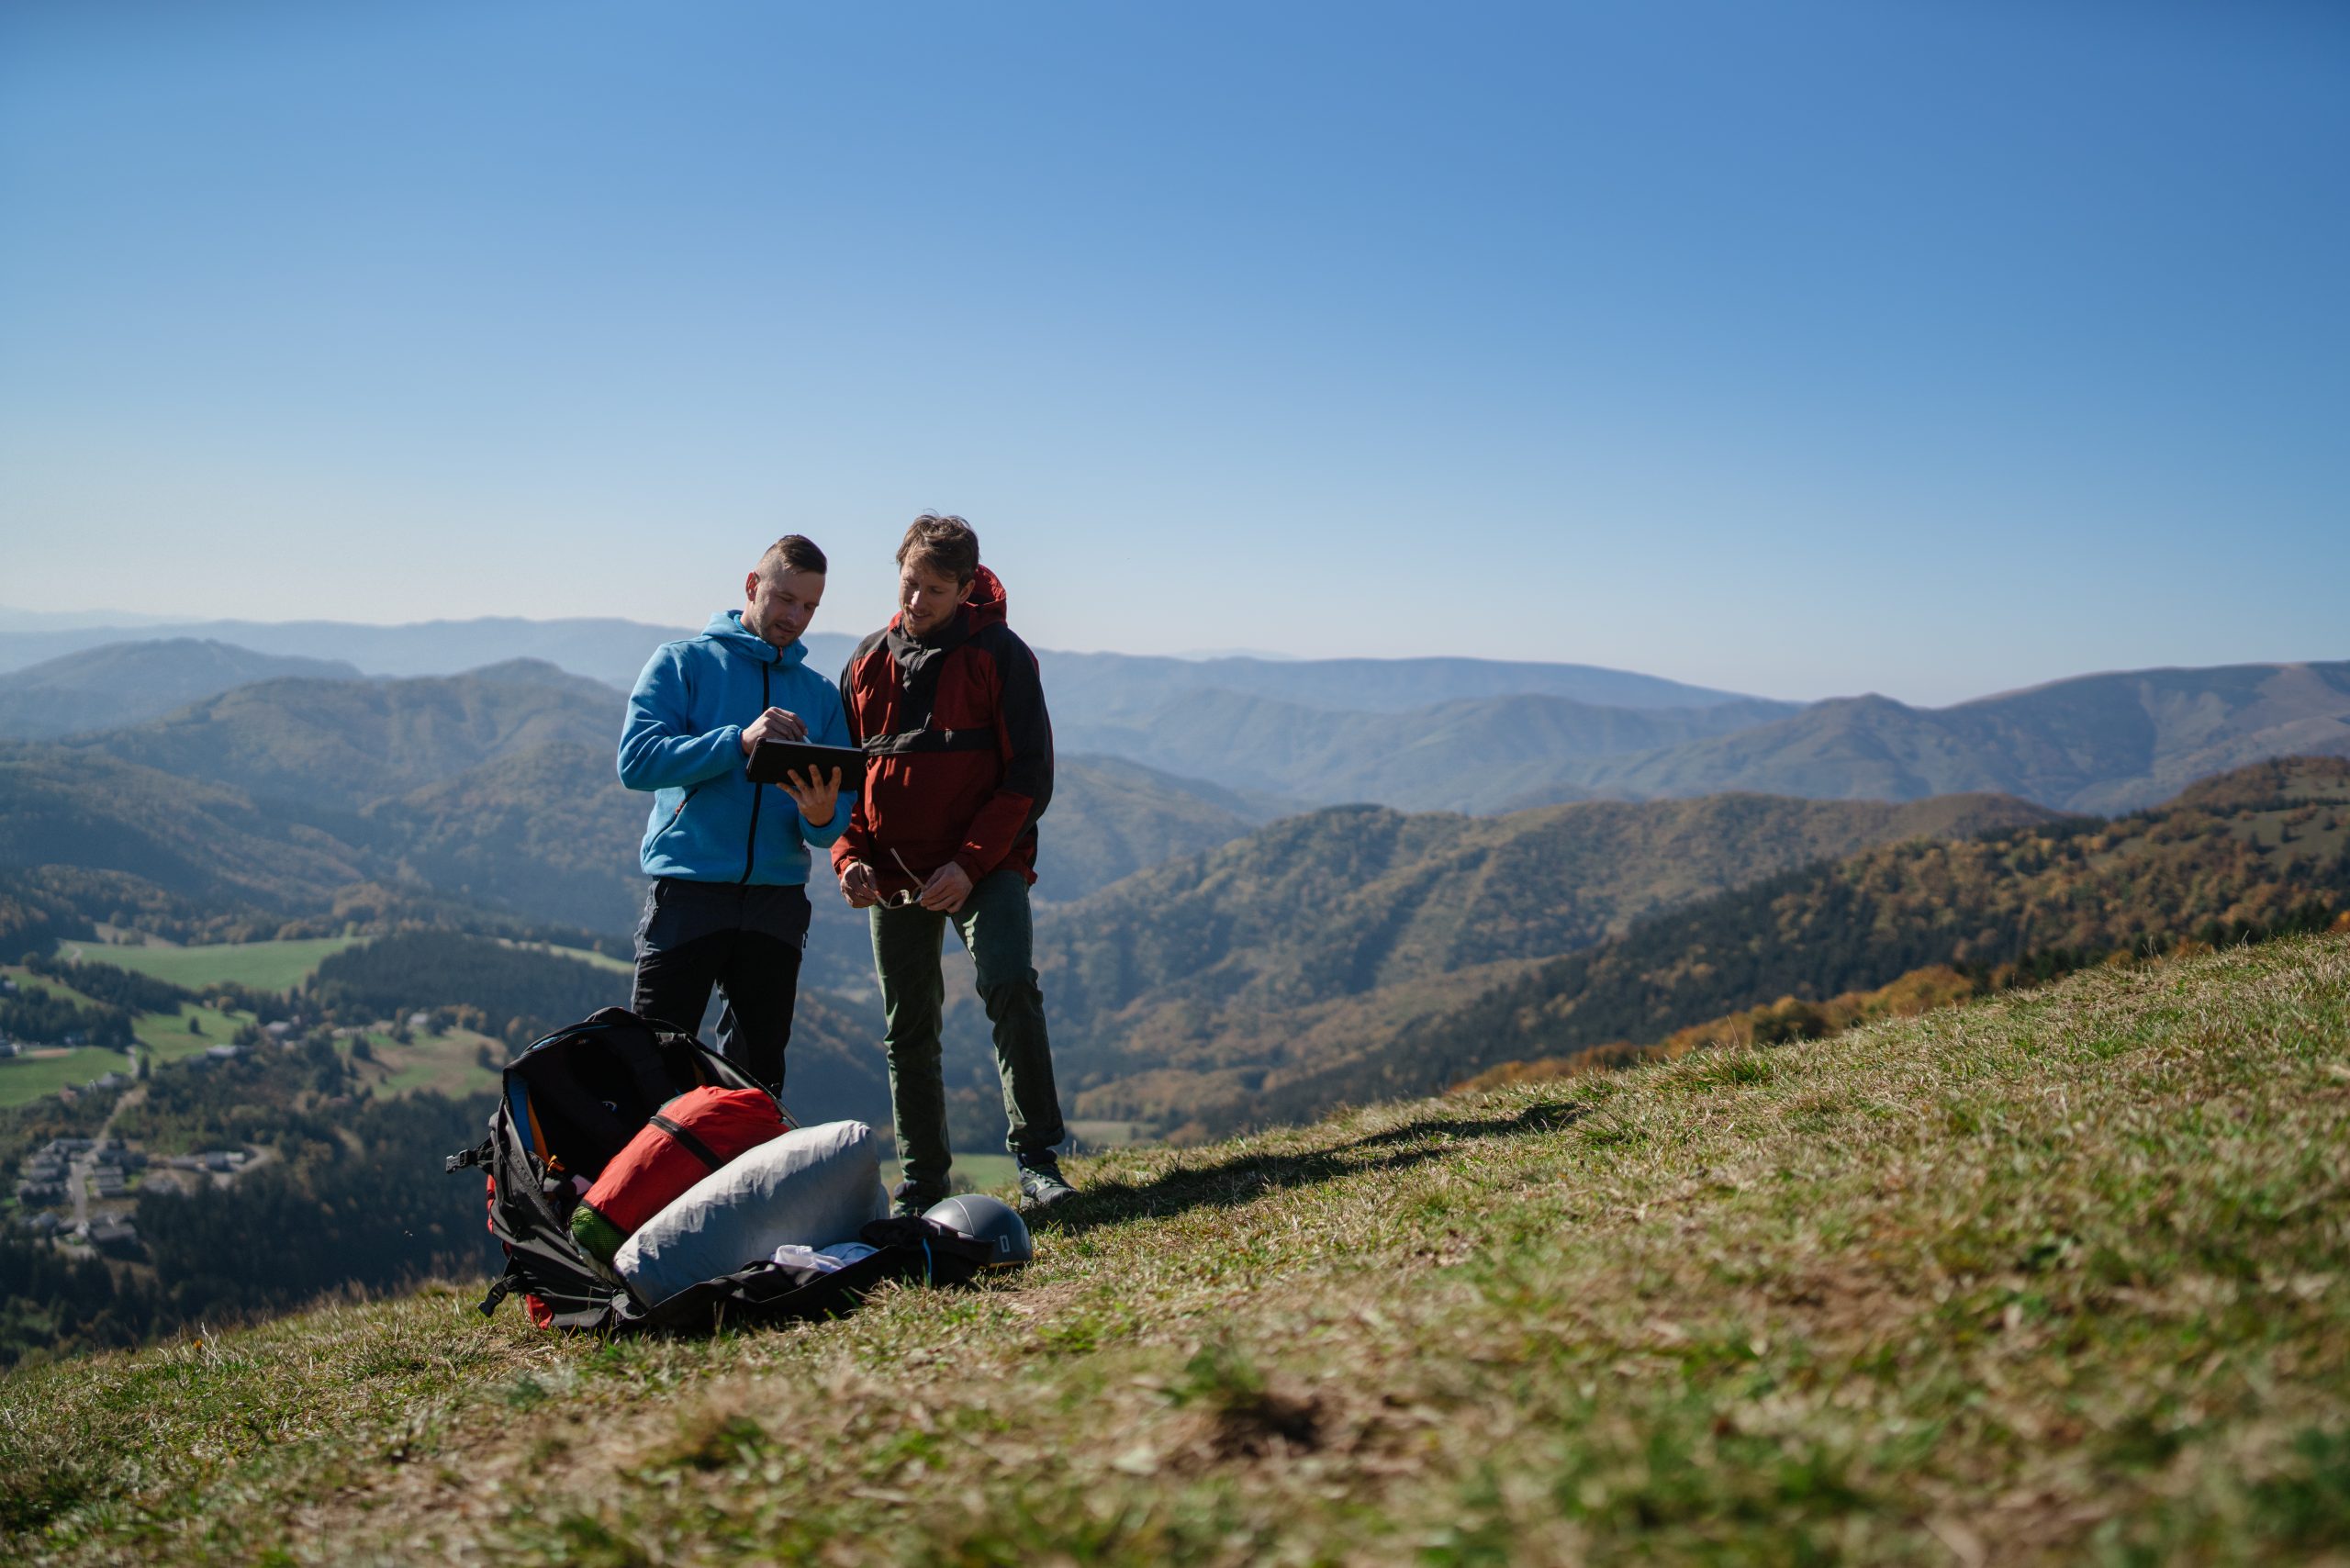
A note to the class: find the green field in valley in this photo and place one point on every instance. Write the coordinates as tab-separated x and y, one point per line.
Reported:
2059	1277
28	1078
449	1064
169	1038
260	966
588	956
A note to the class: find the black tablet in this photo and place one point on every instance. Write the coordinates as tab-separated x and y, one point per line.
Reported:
770	760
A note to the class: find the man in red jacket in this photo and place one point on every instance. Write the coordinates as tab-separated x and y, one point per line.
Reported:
946	703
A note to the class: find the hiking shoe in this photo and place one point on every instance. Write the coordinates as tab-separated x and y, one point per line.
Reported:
912	1200
1041	1182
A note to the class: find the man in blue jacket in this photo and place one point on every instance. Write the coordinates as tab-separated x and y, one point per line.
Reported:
729	902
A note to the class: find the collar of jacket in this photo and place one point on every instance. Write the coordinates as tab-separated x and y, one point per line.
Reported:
726	630
984	604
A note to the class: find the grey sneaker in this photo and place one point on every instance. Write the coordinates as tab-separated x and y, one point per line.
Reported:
1041	1182
912	1200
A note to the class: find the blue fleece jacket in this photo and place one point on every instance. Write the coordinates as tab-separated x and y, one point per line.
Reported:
684	741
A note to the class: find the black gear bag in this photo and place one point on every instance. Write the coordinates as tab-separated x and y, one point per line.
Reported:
572	1102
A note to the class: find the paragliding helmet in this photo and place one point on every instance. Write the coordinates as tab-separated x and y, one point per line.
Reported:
989	1220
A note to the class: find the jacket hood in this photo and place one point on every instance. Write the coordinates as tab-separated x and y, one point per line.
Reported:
726	627
987	602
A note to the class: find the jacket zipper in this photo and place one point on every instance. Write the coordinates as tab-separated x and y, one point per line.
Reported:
758	792
679	813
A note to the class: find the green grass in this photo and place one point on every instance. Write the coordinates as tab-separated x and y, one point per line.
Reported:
448	1063
28	981
25	1078
2061	1277
1099	1135
994	1173
263	966
168	1037
588	956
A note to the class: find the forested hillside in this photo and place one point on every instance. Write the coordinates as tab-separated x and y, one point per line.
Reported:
2255	854
1304	936
333	746
347	1196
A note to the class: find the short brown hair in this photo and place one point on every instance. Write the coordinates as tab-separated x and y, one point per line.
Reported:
942	543
792	553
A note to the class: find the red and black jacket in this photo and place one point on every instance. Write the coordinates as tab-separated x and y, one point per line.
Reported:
959	747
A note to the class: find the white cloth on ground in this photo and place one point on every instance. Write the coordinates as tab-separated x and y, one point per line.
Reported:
824	1259
811	1187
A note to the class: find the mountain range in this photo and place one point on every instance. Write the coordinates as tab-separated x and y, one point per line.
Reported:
1093	686
495	787
1215	954
2099	743
1473	754
1413	733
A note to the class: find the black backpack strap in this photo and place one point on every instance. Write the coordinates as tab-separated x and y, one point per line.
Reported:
468	1158
500	1289
687	1141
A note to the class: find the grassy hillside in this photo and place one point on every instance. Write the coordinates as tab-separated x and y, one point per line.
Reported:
2055	1278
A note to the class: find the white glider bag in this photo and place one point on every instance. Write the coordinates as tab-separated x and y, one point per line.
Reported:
811	1187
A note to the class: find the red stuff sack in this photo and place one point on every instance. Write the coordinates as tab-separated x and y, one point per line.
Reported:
685	1140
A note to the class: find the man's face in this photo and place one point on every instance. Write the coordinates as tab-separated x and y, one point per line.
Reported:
778	606
926	597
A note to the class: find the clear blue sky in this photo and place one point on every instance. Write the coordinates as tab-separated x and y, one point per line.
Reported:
1797	348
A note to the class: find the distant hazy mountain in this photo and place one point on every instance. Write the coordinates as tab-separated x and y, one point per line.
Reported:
123	682
2100	742
15	619
607	650
341	744
1106	688
1472	755
495	786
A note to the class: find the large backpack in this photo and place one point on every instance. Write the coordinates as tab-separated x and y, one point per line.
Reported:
572	1102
